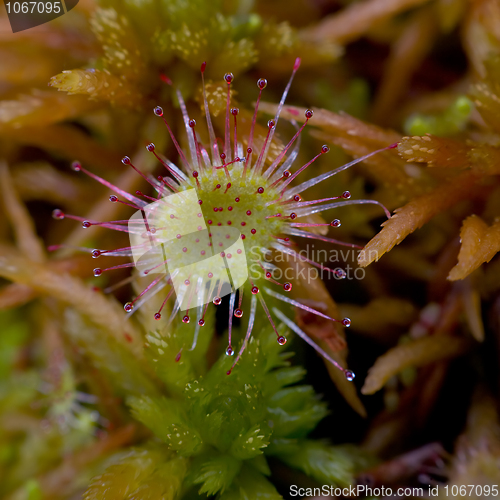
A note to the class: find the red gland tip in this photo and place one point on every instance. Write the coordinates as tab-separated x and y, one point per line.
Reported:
340	273
128	307
201	322
157	316
262	83
229	351
58	214
126	160
281	340
260	190
255	290
229	77
86	224
97	271
287	286
346	322
96	253
76	166
113	198
165	79
150	147
296	65
335	223
238	313
325	148
217	301
271	124
203	66
185	319
158	111
192	123
234	111
346	195
293	216
349	375
309	113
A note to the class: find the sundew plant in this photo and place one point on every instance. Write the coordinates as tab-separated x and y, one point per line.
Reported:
209	225
287	288
228	198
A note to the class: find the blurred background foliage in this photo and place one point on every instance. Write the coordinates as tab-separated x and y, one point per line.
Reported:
90	402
